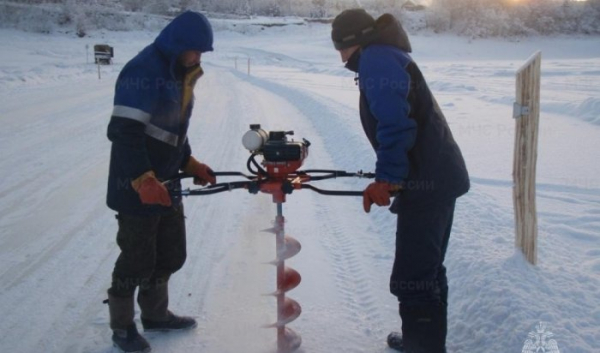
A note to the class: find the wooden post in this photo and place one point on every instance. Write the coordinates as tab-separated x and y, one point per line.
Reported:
99	77
526	113
248	66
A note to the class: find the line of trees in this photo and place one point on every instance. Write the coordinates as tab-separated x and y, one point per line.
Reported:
484	18
475	18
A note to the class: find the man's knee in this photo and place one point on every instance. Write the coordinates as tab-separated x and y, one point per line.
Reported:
132	270
416	291
126	286
172	254
175	262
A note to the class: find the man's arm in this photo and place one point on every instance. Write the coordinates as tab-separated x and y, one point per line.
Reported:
129	145
386	85
133	104
187	153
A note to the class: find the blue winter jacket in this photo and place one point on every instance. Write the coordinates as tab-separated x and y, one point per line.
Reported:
385	85
406	127
149	123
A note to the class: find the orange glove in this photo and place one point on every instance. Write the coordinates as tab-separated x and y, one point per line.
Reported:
378	193
151	191
201	172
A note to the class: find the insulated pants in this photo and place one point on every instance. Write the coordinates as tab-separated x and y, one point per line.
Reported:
152	248
422	235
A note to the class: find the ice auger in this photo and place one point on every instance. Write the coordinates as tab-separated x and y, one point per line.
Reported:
279	175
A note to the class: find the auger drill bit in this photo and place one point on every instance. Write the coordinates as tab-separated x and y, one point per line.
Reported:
288	309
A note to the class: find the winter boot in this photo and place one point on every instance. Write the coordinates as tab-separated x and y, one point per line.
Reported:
125	334
172	323
394	341
424	328
155	315
130	340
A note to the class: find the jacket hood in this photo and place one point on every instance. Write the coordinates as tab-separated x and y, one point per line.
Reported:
188	31
390	32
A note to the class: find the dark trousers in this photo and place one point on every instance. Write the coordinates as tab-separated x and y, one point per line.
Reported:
419	277
422	235
152	248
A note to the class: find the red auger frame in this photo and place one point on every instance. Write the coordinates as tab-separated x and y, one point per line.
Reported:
280	176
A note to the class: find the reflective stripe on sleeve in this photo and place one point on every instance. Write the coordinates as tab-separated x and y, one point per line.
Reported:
131	113
162	135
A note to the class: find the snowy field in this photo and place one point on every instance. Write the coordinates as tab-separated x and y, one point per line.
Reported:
57	237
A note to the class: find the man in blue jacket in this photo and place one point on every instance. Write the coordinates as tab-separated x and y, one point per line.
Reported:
148	130
417	160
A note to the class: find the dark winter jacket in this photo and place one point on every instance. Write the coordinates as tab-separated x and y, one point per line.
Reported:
149	123
404	123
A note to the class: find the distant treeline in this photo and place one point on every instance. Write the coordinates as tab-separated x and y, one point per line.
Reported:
474	18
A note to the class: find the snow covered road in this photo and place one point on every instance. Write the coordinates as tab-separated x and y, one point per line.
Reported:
57	244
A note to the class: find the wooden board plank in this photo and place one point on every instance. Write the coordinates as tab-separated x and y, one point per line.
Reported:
525	156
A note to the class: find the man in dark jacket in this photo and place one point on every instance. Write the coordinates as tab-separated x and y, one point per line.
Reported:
148	129
417	160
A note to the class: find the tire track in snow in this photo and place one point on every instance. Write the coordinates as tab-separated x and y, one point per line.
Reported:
61	296
57	240
49	210
351	279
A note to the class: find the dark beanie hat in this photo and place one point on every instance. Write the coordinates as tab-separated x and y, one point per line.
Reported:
353	27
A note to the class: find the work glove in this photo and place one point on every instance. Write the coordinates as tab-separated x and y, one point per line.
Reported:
151	191
378	193
201	172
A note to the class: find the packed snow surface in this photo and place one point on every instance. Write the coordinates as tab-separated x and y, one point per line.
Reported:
57	237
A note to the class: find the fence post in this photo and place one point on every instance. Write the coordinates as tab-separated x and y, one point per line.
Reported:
526	113
248	66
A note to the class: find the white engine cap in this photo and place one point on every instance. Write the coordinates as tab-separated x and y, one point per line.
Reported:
254	139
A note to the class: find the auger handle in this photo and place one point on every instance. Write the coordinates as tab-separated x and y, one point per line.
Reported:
214	189
253	182
332	174
331	192
181	176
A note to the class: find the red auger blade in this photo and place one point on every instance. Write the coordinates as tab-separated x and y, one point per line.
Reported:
291	279
290	248
271	230
289	312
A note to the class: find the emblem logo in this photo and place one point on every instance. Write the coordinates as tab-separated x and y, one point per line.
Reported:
540	341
